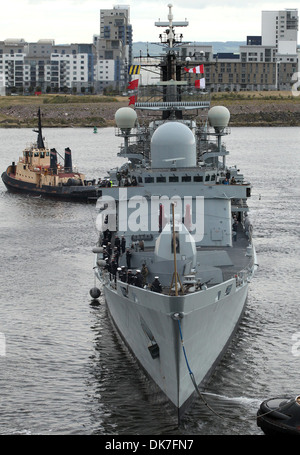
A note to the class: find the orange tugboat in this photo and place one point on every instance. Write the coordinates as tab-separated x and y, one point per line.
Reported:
38	172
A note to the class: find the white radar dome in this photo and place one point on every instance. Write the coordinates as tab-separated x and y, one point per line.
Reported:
218	117
125	118
173	145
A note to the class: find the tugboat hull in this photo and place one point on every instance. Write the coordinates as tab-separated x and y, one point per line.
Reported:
69	193
280	416
38	172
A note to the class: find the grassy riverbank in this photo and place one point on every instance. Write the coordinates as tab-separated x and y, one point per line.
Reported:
246	108
261	108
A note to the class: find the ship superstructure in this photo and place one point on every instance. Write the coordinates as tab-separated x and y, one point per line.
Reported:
175	253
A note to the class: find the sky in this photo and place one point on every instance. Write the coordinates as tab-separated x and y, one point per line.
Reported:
76	21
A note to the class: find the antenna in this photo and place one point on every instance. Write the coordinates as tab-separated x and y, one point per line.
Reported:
170	37
175	277
171	32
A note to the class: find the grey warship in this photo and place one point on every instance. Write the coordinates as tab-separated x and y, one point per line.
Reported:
175	254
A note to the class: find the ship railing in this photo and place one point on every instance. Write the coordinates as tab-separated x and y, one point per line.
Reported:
209	131
171	94
245	274
238	203
172	105
242	277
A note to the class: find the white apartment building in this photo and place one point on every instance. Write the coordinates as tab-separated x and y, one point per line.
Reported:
12	53
280	32
11	69
72	69
105	71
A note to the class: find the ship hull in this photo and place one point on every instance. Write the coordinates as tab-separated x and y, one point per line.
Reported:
68	193
207	323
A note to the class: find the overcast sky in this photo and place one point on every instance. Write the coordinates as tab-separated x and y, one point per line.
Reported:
75	21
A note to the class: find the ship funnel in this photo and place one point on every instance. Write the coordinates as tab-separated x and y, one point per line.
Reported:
218	117
53	160
68	160
125	118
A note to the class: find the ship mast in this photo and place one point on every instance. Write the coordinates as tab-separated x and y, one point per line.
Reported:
40	141
175	278
167	98
170	39
171	34
171	70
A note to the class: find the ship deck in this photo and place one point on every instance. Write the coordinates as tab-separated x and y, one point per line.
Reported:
238	256
216	264
239	260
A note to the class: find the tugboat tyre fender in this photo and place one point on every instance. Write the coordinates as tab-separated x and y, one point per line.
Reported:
264	409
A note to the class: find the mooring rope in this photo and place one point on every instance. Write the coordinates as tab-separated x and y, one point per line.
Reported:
201	394
192	374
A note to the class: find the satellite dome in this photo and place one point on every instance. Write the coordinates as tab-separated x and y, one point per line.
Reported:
125	118
173	145
218	117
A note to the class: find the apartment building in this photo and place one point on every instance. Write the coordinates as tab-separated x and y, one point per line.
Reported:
114	47
236	76
279	30
12	54
73	67
265	62
45	66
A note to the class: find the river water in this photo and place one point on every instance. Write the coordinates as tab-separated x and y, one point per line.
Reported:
63	371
